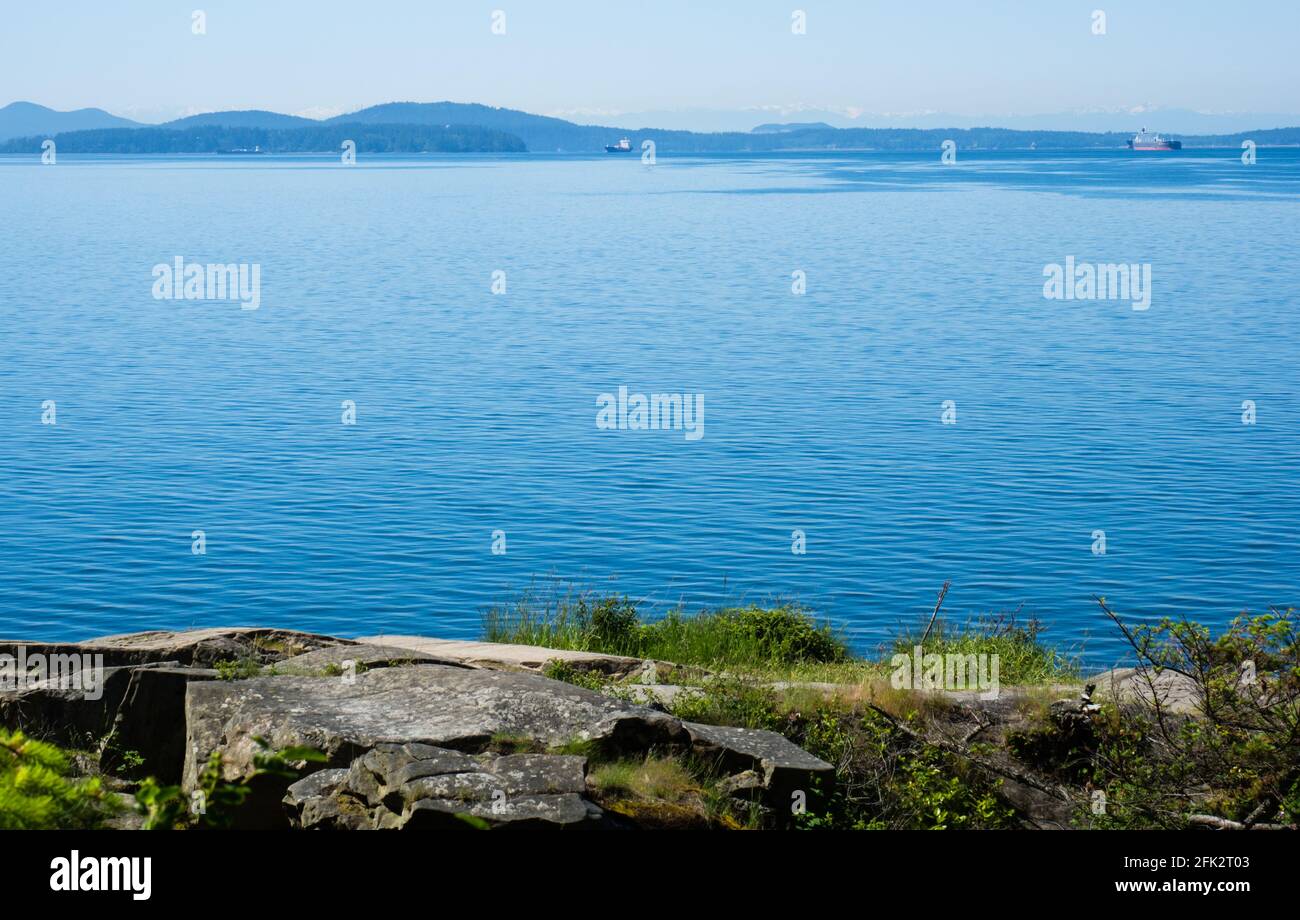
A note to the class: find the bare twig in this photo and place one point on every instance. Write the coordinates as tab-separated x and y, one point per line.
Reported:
943	592
1223	824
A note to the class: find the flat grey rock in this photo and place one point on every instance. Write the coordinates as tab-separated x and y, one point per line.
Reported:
335	660
69	712
504	656
322	782
511	776
784	767
198	647
1176	693
410	734
663	694
534	812
432	704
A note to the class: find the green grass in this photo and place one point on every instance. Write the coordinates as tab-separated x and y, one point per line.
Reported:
766	644
238	668
650	778
667	792
1023	659
731	637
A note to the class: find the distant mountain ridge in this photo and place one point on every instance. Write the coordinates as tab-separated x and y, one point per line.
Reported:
252	118
543	134
24	119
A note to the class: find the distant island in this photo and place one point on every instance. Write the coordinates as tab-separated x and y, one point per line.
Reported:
216	138
451	127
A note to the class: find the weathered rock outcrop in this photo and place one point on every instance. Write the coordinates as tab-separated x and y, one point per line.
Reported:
450	707
197	647
416	733
1176	693
135	705
783	769
148	722
507	657
418	786
341	660
415	742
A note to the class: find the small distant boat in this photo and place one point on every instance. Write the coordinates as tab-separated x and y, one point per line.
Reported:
1149	141
623	146
242	151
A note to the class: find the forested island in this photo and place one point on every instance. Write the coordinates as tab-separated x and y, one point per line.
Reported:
450	127
324	138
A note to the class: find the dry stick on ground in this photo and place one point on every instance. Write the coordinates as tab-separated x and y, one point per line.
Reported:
943	592
1223	824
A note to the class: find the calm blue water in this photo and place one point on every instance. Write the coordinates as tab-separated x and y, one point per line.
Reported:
477	412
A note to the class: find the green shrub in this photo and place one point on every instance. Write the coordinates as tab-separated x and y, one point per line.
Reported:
614	624
888	780
1234	762
787	635
238	668
37	790
559	669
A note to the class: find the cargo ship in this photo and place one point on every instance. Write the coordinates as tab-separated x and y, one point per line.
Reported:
1147	140
623	146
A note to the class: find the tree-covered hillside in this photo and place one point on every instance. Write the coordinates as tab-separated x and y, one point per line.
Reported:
325	138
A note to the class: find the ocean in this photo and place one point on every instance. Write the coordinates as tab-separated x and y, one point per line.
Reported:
861	387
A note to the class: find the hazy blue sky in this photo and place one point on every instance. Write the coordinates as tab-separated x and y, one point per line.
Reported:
139	57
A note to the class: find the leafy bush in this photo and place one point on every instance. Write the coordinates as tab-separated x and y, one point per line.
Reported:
786	635
1236	762
238	668
1233	762
614	624
889	780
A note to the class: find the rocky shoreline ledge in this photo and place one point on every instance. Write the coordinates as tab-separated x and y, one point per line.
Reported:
263	728
414	732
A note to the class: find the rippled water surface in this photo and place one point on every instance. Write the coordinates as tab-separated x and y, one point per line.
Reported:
477	412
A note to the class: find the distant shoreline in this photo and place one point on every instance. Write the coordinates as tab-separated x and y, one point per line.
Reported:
8	152
446	127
